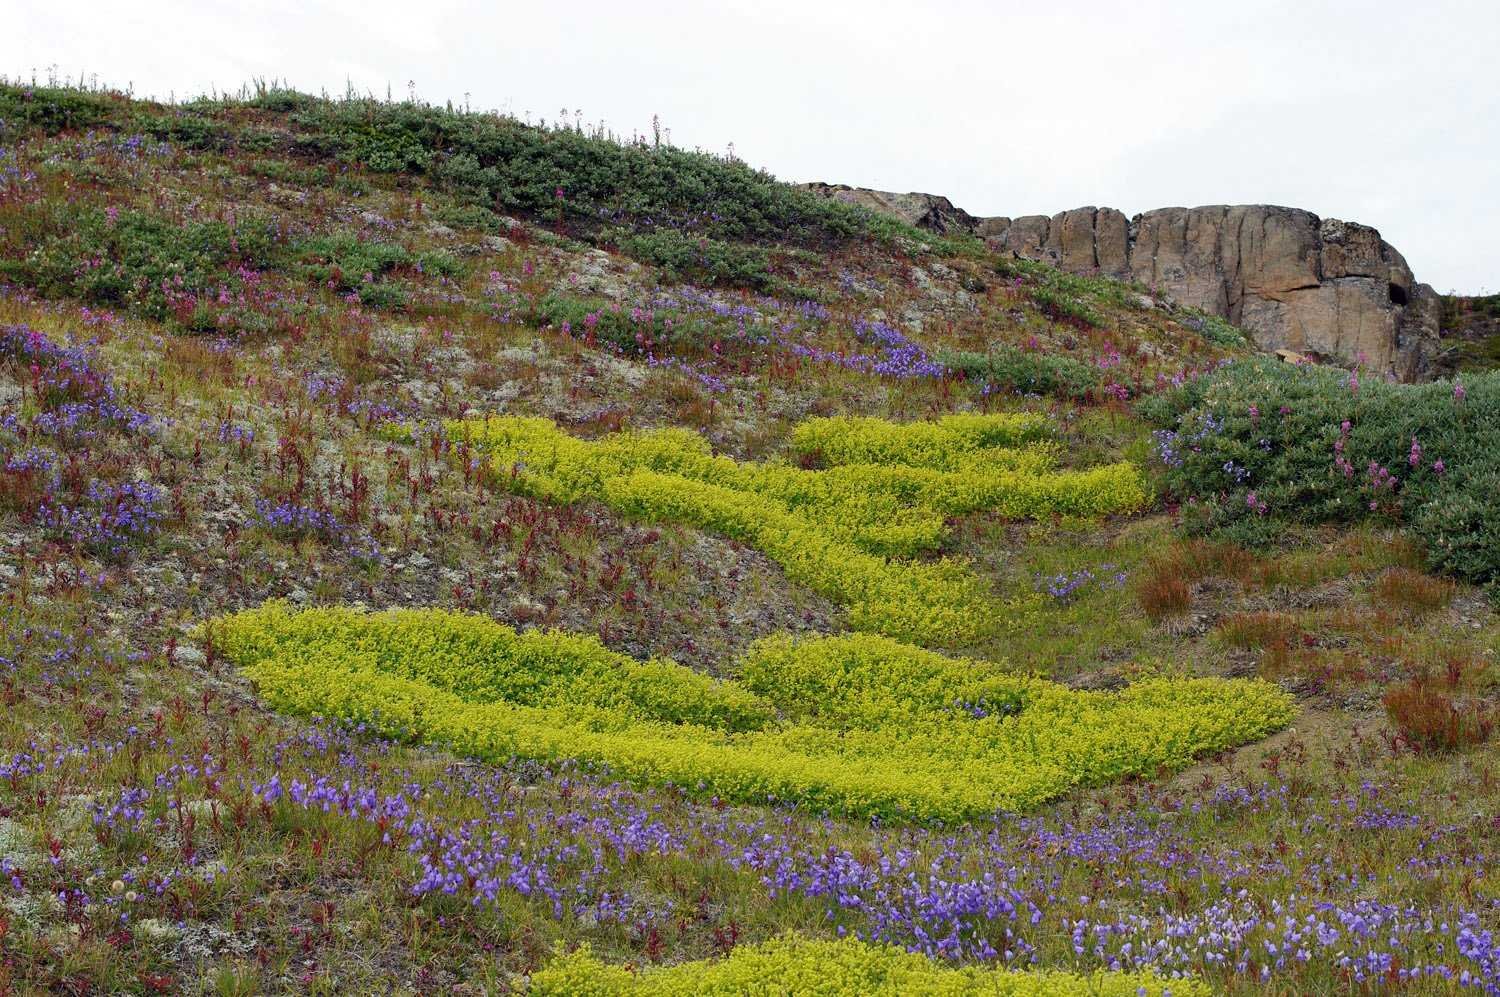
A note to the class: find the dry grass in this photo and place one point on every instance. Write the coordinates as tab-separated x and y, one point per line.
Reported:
1403	588
1162	592
1431	718
1196	559
1259	630
1324	668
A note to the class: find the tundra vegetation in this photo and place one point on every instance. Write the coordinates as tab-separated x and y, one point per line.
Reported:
444	553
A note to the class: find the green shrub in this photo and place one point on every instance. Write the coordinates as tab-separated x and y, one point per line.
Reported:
1059	305
1025	371
138	260
53	109
591	183
633	331
522	167
185	127
347	263
1265	442
1216	330
688	257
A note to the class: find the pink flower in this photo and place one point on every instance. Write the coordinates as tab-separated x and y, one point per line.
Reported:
1438	467
1458	391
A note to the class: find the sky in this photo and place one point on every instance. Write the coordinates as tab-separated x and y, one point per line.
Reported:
1376	112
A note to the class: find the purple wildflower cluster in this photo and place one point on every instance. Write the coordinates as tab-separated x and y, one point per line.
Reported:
75	402
294	520
342	397
889	351
756	324
75	397
1173	445
715	384
109	517
1064	586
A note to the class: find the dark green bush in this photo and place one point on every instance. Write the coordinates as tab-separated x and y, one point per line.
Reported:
1025	371
1264	442
344	262
1215	330
471	217
52	109
683	256
590	185
1063	306
189	129
137	260
632	331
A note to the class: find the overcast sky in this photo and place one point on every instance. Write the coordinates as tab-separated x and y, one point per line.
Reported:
1383	113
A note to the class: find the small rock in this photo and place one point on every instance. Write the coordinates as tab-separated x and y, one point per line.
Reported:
187	654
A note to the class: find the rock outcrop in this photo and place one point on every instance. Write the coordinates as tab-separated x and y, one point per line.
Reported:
1294	281
1318	286
928	211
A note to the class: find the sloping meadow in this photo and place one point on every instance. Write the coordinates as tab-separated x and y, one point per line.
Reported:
866	724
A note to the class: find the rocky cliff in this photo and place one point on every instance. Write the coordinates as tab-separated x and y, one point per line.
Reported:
1319	286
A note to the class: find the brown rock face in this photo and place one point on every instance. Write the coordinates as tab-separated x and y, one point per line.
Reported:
1290	279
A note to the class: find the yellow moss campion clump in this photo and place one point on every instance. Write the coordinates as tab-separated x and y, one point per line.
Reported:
844	531
856	724
798	967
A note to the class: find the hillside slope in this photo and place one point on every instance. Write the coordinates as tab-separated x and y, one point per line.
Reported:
443	554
